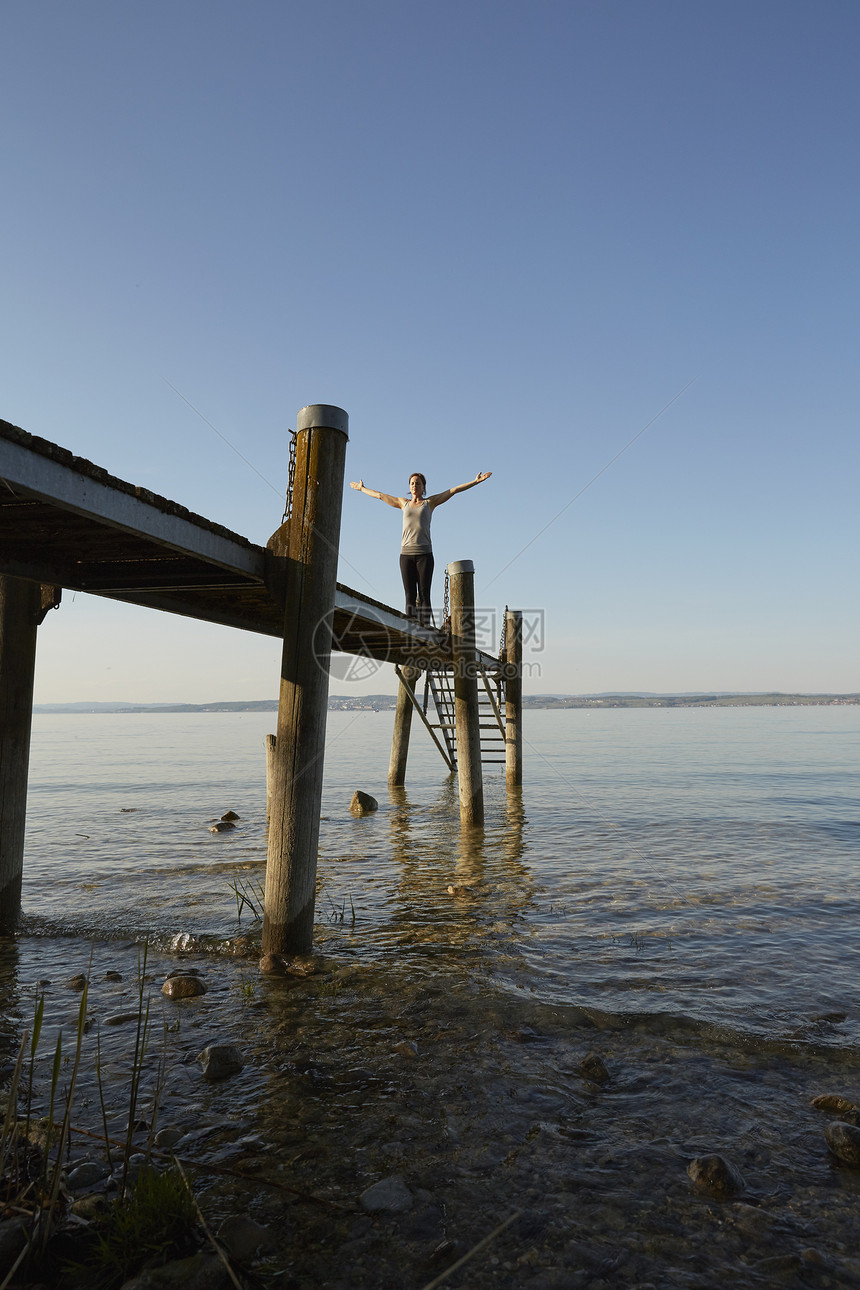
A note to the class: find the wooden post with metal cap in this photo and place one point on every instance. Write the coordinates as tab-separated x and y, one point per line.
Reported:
294	823
461	577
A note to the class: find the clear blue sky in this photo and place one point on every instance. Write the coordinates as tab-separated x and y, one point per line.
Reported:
503	236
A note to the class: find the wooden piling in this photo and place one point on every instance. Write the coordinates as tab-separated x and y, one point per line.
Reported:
402	727
513	671
20	614
298	756
271	744
461	577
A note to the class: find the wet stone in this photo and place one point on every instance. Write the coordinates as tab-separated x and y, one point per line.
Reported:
229	816
834	1103
715	1176
755	1224
12	1240
844	1141
390	1195
406	1048
113	976
363	803
183	987
90	1206
593	1068
88	1174
219	1061
119	1018
243	1238
168	1137
204	1271
223	826
77	982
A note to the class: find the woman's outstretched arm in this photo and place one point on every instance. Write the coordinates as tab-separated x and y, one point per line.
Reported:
396	502
438	498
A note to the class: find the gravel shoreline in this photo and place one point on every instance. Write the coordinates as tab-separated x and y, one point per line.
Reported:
388	1118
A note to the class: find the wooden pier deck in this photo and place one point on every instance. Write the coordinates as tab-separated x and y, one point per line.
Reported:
66	522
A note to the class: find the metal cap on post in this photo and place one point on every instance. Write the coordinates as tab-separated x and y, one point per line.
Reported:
317	416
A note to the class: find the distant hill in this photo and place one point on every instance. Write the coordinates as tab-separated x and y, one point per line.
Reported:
385	702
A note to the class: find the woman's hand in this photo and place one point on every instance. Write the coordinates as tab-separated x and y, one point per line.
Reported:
482	475
359	485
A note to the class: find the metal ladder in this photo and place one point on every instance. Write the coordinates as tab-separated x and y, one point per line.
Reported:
439	682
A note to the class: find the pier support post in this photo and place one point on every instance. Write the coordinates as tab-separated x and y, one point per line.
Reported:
402	727
271	743
513	698
20	615
461	577
288	917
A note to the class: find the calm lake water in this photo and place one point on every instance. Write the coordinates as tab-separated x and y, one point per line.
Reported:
693	865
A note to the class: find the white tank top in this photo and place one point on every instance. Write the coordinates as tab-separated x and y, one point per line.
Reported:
416	529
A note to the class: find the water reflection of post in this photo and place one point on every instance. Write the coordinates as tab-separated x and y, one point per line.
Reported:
454	883
471	857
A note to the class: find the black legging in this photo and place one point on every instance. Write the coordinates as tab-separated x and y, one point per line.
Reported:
417	574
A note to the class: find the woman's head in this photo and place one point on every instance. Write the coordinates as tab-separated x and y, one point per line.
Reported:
418	484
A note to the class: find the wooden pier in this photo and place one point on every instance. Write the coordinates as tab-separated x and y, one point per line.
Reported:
66	523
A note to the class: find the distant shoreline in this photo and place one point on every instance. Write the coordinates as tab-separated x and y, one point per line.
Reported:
387	702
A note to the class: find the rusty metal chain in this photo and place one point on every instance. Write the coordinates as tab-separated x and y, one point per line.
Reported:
446	612
291	477
503	644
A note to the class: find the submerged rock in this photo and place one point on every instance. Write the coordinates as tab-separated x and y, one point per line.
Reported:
390	1195
223	826
593	1068
168	1137
77	982
278	965
230	815
363	803
183	987
220	1061
715	1176
844	1141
